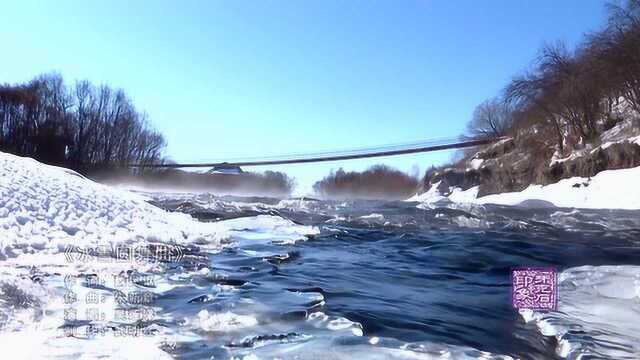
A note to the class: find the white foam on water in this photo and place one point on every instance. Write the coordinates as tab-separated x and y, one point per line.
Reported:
301	205
470	222
373	216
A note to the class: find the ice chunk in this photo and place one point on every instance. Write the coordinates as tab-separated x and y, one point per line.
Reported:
598	313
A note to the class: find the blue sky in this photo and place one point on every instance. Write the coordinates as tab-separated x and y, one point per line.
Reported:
260	78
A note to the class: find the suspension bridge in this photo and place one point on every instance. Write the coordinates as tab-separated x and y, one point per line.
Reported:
336	155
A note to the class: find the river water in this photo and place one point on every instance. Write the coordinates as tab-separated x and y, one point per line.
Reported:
393	280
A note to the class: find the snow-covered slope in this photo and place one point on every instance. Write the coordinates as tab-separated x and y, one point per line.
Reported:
47	207
46	210
611	189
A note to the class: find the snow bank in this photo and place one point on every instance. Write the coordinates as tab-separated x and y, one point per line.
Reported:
598	313
47	207
430	196
44	210
610	189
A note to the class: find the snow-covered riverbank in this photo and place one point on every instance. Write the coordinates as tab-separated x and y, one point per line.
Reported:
48	208
60	234
611	189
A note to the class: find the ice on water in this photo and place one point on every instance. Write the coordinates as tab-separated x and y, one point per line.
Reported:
598	313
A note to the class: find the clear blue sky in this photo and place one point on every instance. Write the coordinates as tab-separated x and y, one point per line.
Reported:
258	78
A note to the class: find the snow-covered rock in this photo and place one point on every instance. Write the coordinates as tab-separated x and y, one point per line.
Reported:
476	163
434	194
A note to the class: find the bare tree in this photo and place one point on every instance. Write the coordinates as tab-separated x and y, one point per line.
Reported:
618	49
492	118
80	127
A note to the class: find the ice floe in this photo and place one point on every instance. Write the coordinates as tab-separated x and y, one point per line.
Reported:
598	313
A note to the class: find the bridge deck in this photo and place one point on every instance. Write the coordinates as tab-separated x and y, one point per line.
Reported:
313	159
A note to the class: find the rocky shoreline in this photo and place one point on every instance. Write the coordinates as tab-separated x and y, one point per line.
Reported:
513	164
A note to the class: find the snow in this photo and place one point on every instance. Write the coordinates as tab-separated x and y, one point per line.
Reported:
610	189
459	196
49	208
501	142
476	163
46	207
623	132
432	195
261	228
631	140
556	159
45	210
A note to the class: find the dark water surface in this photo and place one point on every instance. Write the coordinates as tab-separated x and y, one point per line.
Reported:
411	277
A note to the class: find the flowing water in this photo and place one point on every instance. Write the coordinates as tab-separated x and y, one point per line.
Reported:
308	279
381	279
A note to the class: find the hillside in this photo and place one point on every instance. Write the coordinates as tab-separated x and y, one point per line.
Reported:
511	166
573	114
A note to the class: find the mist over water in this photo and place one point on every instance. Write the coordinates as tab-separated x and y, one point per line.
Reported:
380	279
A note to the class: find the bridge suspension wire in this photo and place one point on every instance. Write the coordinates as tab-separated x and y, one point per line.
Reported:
350	154
348	151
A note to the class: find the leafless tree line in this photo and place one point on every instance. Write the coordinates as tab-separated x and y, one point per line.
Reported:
81	126
571	95
378	182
